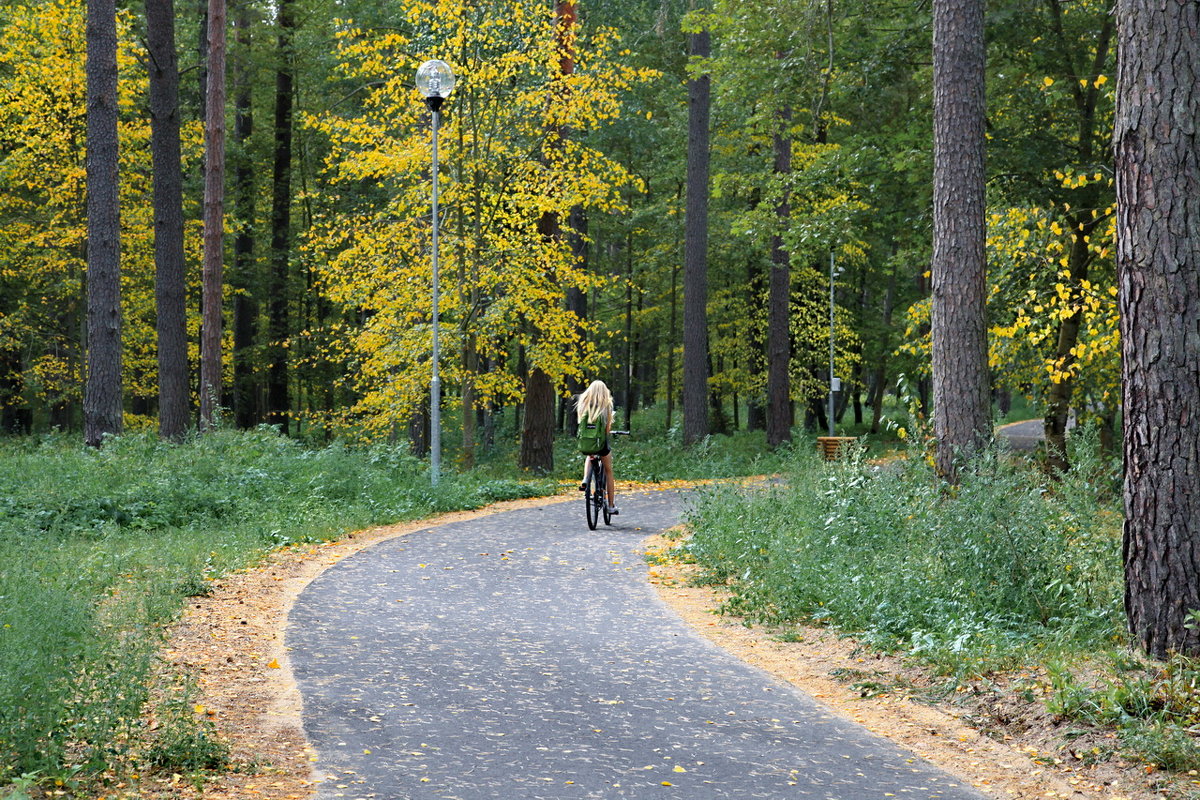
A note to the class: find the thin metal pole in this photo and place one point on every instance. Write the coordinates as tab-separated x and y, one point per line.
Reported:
831	378
435	384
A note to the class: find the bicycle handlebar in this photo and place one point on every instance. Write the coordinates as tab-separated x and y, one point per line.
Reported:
619	433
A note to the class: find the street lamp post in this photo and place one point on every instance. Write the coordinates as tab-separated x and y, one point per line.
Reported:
435	81
834	383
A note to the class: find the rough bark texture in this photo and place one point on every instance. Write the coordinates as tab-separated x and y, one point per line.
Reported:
102	411
779	349
243	280
695	255
1158	263
214	219
961	405
281	224
537	435
169	271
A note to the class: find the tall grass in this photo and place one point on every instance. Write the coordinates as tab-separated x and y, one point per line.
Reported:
968	576
99	548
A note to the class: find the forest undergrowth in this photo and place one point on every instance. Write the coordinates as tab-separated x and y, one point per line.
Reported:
99	550
1011	578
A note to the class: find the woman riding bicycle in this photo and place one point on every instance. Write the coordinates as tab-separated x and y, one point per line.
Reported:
596	405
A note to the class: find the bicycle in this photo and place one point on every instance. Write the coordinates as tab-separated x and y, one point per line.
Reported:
595	490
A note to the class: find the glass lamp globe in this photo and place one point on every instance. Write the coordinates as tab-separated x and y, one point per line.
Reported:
435	81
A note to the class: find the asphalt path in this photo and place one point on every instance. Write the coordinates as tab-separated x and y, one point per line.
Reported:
1025	435
519	656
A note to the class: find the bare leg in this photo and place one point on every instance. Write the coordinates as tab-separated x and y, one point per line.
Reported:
612	483
586	463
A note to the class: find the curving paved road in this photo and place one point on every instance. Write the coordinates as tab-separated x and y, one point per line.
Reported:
521	656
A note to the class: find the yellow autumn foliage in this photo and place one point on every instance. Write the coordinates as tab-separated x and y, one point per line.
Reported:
43	197
513	155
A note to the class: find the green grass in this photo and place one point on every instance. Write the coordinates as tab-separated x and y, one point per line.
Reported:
99	549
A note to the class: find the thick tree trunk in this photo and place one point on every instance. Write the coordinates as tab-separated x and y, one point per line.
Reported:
537	437
1158	262
169	267
102	410
214	219
779	349
244	283
695	255
281	224
537	427
961	405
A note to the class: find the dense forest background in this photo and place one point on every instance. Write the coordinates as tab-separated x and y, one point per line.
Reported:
564	176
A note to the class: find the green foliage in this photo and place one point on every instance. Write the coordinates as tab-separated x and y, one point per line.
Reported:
1154	707
965	577
185	740
99	548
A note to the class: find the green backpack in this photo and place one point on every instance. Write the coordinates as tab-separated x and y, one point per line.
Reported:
592	436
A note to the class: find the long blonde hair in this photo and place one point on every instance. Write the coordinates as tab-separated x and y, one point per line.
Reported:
596	402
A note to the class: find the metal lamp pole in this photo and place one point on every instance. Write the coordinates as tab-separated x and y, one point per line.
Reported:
833	387
435	82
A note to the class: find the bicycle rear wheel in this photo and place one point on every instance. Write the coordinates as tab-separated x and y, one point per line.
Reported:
592	495
602	492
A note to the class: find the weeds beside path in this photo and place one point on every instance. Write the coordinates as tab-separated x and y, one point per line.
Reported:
99	549
899	699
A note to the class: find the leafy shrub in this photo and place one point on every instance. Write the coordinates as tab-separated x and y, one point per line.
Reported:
955	574
1155	707
185	740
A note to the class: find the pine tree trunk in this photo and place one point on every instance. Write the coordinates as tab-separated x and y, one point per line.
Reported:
244	283
281	224
961	404
102	408
1158	263
695	255
779	336
214	220
169	267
